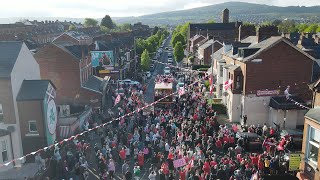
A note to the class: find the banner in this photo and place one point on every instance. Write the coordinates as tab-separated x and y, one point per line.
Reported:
294	162
102	58
179	163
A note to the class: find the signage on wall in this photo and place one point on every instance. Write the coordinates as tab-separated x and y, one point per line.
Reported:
102	58
268	92
52	116
294	162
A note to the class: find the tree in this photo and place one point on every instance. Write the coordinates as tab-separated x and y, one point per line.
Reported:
177	38
288	26
178	52
184	30
318	29
107	22
89	22
312	28
302	27
125	27
155	30
104	29
211	22
72	27
276	22
145	60
162	39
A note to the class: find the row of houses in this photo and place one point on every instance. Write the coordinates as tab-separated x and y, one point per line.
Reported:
267	77
49	94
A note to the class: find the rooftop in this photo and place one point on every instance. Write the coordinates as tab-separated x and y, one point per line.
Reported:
33	90
314	114
9	52
281	102
94	83
212	26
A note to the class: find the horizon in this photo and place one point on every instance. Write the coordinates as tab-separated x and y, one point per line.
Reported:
58	8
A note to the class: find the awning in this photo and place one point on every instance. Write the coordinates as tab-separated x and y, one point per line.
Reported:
68	126
281	102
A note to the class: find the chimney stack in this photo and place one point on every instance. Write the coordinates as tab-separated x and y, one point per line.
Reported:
225	16
265	32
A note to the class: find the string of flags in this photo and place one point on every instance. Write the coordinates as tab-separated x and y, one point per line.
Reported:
287	94
94	128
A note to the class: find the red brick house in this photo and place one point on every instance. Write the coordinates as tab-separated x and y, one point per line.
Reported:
75	38
194	41
262	71
69	68
205	51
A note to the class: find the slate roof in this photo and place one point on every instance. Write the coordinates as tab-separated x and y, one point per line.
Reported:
9	52
314	114
33	90
218	54
77	50
268	43
212	26
4	132
250	39
196	37
94	83
206	44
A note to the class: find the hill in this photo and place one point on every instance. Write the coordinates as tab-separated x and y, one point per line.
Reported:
241	11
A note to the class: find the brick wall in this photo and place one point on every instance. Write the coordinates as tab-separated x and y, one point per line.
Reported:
6	99
282	65
63	70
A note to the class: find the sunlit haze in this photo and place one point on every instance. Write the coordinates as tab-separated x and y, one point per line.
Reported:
119	8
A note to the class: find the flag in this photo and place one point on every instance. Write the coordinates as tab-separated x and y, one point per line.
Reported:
117	99
211	89
228	84
181	91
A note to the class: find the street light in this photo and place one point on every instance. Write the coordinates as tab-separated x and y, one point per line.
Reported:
135	55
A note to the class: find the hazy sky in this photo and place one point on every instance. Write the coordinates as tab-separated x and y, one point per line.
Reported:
115	8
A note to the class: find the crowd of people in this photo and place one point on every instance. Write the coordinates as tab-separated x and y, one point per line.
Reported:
153	141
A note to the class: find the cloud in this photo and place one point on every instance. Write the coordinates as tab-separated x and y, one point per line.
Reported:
98	8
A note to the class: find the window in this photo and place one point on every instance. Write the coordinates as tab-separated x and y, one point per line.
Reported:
221	70
1	113
33	126
238	82
4	151
313	145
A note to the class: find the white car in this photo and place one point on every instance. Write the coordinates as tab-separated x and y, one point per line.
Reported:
166	70
170	60
128	81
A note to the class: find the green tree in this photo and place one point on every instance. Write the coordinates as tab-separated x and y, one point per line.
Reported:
302	27
145	60
184	30
125	27
276	22
312	28
178	52
90	22
318	29
211	22
288	26
155	30
104	29
177	38
72	27
107	22
162	39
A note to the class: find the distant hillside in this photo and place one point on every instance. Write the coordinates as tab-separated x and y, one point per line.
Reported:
241	11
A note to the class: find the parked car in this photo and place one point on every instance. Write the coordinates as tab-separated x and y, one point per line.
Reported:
128	81
151	67
166	70
170	60
252	141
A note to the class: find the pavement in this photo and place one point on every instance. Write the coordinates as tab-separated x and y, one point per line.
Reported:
19	173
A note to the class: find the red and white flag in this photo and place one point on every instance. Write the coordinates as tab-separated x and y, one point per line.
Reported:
211	89
228	84
117	99
181	91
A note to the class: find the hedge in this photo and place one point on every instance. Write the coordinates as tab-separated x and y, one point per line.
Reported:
195	67
220	108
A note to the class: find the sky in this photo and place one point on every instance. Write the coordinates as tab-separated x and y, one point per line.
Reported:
115	8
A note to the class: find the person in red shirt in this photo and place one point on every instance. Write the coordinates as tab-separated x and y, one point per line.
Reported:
141	159
272	131
231	140
254	159
122	154
206	167
182	174
219	144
